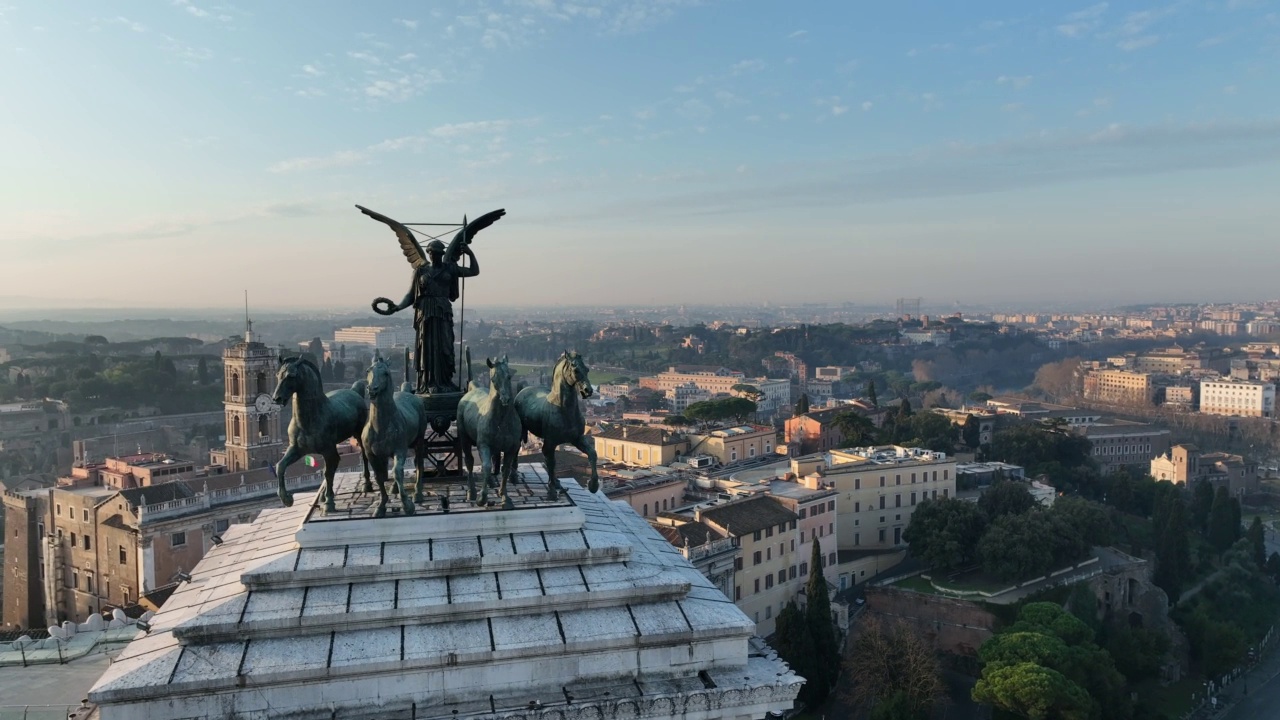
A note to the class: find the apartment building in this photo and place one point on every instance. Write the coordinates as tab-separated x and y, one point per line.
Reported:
767	571
731	444
1243	398
1120	443
1185	463
816	508
649	495
1121	387
640	446
878	488
713	553
817	430
379	338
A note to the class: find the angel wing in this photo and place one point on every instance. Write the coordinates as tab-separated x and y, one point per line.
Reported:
408	243
469	231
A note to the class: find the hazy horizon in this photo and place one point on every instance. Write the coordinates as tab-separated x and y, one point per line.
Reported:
173	155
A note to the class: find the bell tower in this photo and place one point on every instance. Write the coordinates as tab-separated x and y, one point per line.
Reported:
253	420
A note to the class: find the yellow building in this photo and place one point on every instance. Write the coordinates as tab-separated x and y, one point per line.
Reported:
731	444
642	446
768	565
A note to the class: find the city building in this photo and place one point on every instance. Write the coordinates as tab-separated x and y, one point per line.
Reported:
713	553
731	444
253	420
1243	398
1120	387
818	430
985	418
1023	409
878	488
377	338
682	396
981	474
1121	443
816	508
648	495
1185	463
768	567
640	446
922	337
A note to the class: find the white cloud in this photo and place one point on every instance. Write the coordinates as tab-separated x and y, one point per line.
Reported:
1083	21
1230	90
343	158
797	34
191	9
364	57
134	26
407	57
312	70
408	24
867	105
1011	107
1137	43
747	66
1017	82
189	54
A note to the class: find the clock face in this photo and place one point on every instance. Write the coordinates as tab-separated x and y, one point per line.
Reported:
263	403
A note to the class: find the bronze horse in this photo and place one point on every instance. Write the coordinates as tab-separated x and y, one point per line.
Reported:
319	422
487	419
555	415
397	422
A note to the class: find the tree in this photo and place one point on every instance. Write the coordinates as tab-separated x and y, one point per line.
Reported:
904	410
794	643
971	433
1221	516
1005	497
95	340
826	649
1027	545
316	348
676	421
857	429
1201	505
891	667
945	532
871	394
750	392
1089	517
1138	652
202	371
1258	540
1032	691
802	405
980	397
339	371
1173	553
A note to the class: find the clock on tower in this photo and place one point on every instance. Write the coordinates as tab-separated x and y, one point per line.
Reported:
253	420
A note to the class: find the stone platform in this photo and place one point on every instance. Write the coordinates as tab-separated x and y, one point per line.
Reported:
575	609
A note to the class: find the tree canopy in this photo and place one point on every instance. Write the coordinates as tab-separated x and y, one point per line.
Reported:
945	532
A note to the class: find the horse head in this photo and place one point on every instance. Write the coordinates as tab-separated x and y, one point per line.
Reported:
379	378
500	380
574	370
291	377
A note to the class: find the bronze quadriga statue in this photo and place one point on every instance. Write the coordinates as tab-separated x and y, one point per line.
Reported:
487	420
397	422
556	416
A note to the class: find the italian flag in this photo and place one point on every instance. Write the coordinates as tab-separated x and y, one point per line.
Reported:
311	461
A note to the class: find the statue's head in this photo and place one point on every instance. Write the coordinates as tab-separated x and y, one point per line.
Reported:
379	377
435	251
289	378
576	373
500	379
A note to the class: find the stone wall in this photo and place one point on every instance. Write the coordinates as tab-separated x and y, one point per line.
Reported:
954	626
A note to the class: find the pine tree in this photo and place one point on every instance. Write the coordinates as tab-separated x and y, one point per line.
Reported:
1173	552
1221	516
1258	539
971	432
904	410
202	371
871	393
826	650
1201	504
802	405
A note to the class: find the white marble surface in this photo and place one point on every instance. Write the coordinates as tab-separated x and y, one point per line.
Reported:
523	614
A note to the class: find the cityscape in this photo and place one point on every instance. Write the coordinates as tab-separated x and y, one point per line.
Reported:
755	362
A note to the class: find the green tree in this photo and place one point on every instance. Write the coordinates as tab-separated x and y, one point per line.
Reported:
802	405
945	532
1258	541
1029	544
826	649
1173	553
871	394
980	397
676	421
1005	497
316	348
857	429
794	642
1273	566
1089	517
1201	505
750	392
971	433
202	371
1221	516
1032	691
1138	652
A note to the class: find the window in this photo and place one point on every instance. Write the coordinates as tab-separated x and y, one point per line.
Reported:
881	502
913	498
757	585
755	558
881	534
802	513
831	528
881	481
768	553
756	536
897	500
946	474
768	581
802	537
897	479
793	572
857	507
124	557
646	509
74	542
831	505
935	494
86	514
737	592
804	569
857	539
831	559
897	536
59	506
737	564
944	492
768	612
913	478
59	533
178	539
220	526
857	483
88	582
124	593
87	545
752	451
768	532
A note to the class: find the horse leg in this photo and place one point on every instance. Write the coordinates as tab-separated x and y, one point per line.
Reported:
507	467
405	501
588	448
553	483
486	467
331	461
380	479
469	462
419	447
364	463
291	456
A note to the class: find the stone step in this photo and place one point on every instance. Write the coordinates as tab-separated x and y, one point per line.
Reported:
294	612
374	562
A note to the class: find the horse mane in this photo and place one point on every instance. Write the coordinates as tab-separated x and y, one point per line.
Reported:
557	379
304	362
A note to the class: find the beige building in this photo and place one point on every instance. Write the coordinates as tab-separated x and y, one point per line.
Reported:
640	446
1121	387
254	432
1185	463
713	553
731	444
648	496
1120	443
878	489
1243	398
768	565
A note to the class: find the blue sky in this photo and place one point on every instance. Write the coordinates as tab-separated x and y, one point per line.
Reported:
173	153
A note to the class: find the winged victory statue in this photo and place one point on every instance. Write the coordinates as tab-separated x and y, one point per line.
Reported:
436	273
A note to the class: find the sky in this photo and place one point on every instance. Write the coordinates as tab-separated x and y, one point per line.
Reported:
175	154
